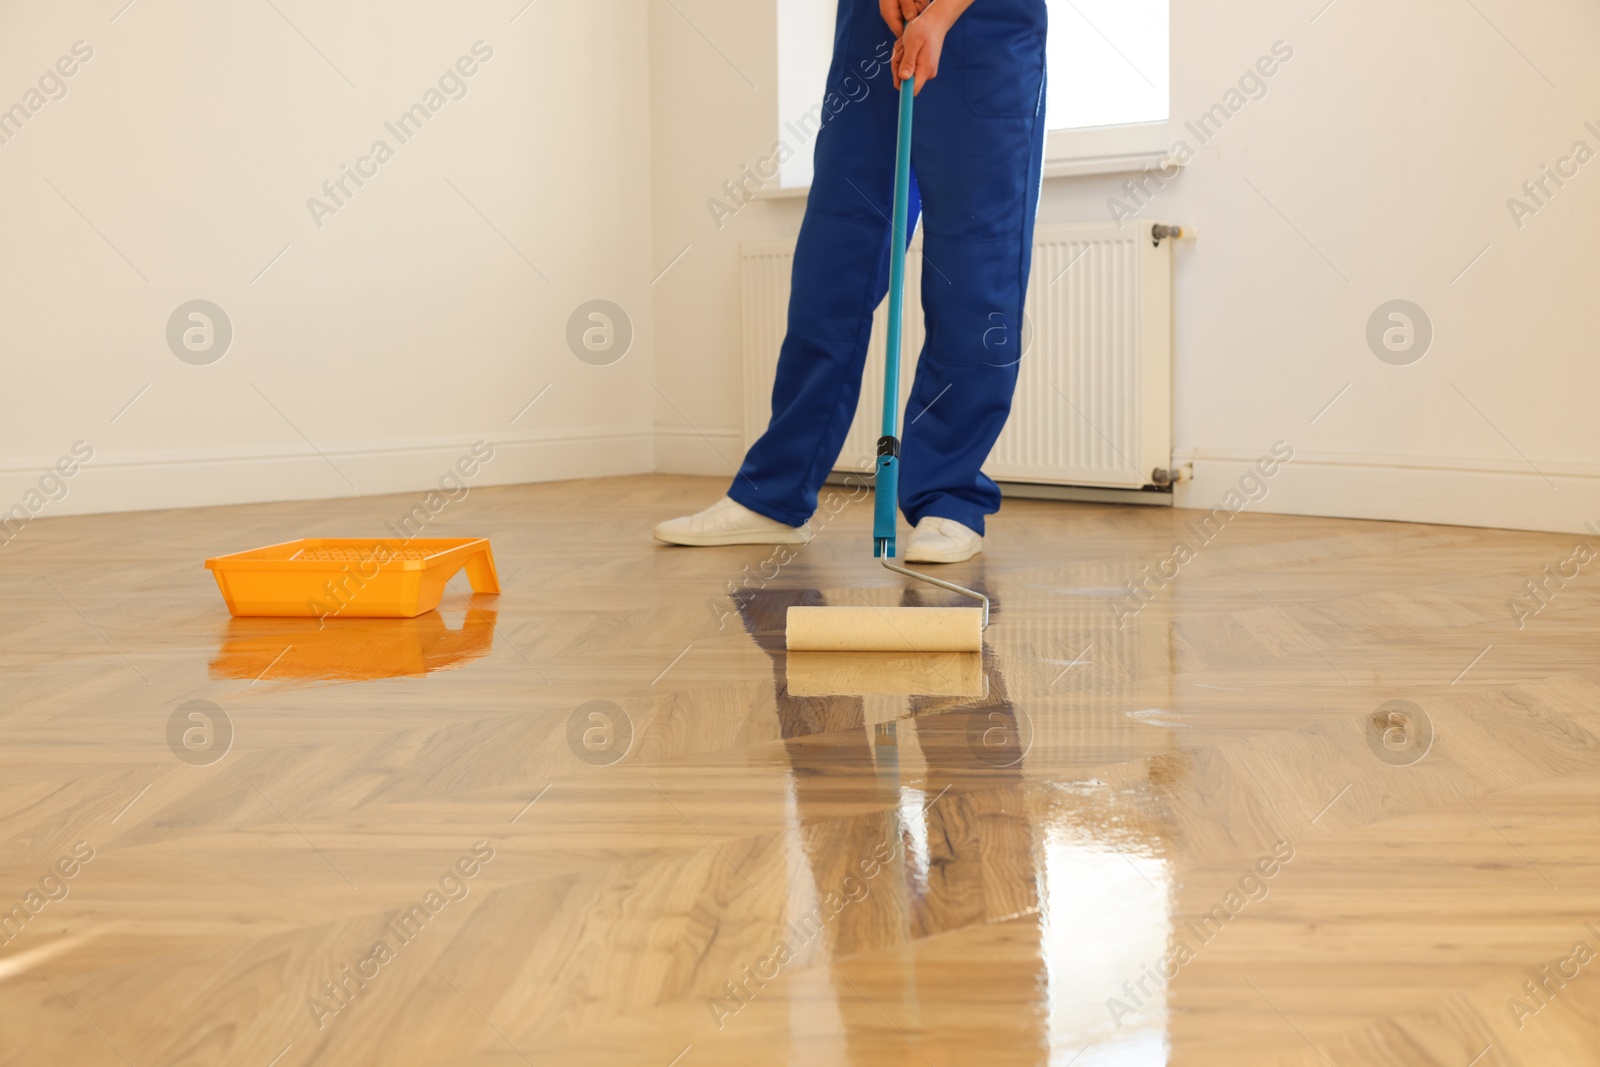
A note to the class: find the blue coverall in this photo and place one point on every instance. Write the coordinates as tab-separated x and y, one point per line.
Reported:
977	146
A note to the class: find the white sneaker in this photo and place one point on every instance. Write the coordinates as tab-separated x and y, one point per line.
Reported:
937	540
728	522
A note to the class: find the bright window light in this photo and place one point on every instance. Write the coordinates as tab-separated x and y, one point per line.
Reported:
1108	63
1108	68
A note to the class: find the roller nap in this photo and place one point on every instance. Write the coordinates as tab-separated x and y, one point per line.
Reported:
869	629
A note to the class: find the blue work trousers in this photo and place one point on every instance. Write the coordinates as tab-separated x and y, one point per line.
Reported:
977	148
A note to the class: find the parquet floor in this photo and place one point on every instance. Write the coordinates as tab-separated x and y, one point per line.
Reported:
602	819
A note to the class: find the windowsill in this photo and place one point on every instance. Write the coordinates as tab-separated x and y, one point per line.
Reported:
1057	168
1131	163
783	192
1077	152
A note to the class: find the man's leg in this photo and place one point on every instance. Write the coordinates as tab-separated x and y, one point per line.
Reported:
977	147
841	272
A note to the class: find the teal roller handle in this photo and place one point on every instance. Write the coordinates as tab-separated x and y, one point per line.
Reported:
887	484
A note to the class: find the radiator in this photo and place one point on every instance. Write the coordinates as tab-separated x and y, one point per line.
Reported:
1094	393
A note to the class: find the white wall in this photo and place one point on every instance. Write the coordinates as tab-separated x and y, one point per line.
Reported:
1376	167
378	346
713	111
381	343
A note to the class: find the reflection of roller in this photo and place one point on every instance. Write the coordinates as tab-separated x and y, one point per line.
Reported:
818	674
351	650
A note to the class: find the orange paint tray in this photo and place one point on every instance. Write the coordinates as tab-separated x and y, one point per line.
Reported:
351	577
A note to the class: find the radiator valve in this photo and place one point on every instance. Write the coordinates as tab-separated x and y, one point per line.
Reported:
1161	230
1165	477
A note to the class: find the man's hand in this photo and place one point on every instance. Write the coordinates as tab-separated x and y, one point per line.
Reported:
899	12
921	43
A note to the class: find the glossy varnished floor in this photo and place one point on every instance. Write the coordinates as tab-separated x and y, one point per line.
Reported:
601	819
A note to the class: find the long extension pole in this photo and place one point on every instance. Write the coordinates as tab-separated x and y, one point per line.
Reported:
887	484
887	487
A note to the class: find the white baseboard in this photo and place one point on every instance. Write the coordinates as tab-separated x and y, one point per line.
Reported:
113	483
685	450
1563	498
1556	498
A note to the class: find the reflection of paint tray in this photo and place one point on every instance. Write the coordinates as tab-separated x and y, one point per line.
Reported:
351	577
350	649
818	674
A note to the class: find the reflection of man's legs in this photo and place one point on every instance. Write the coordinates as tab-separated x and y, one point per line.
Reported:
762	611
978	844
845	810
979	865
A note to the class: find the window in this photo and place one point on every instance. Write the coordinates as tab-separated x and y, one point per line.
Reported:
805	48
1108	79
1107	99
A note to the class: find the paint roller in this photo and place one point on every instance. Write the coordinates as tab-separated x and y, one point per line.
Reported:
892	629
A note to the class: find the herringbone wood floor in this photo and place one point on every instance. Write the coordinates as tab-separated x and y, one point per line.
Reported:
742	859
